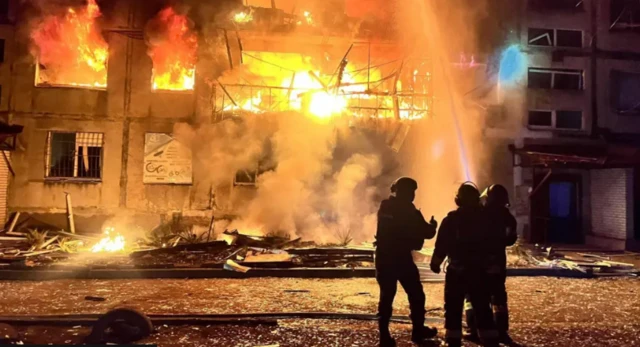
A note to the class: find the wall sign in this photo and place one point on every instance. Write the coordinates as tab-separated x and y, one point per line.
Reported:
166	161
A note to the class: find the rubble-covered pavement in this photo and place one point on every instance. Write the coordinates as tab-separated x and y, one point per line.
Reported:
545	311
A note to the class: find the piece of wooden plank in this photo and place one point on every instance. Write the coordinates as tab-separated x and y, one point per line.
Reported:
12	238
72	224
13	222
48	242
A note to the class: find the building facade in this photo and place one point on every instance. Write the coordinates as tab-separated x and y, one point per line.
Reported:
576	158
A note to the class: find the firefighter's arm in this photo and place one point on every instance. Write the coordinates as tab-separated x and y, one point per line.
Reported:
421	228
512	230
443	245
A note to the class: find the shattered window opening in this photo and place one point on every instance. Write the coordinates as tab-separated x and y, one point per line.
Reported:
555	38
74	155
569	120
625	15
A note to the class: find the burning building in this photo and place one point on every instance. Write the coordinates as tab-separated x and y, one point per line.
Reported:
272	120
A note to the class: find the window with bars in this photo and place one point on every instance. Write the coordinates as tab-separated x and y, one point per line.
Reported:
74	156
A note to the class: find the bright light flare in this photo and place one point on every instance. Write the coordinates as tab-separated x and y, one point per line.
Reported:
112	242
243	17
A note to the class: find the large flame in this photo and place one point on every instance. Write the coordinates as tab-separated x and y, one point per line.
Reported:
173	52
70	49
300	85
112	242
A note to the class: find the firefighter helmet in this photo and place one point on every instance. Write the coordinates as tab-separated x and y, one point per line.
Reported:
468	195
404	184
497	195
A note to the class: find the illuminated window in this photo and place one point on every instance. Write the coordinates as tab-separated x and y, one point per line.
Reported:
74	156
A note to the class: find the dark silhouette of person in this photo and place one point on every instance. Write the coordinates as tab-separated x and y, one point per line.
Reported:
401	230
503	227
464	238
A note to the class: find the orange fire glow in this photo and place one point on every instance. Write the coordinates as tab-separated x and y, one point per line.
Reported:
299	85
70	49
173	52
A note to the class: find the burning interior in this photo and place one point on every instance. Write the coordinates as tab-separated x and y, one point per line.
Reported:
69	48
173	49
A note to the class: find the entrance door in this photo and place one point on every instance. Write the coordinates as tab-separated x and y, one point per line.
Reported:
564	223
555	210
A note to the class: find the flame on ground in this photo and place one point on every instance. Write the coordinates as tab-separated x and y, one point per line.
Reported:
70	49
112	242
174	52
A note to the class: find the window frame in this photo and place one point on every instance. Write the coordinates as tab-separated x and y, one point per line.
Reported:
554	39
554	120
633	26
75	178
553	73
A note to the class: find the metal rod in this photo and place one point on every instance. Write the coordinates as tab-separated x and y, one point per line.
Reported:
539	186
8	162
227	93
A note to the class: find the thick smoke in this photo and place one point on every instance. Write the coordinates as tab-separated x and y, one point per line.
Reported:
319	180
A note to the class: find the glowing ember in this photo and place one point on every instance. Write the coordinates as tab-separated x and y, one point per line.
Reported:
308	18
69	48
243	17
173	51
112	242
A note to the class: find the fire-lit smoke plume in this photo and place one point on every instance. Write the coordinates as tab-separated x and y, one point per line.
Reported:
69	47
321	179
173	47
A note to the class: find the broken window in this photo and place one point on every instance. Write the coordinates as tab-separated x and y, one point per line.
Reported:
563	5
569	120
541	118
625	92
563	79
246	178
541	37
555	37
74	155
625	14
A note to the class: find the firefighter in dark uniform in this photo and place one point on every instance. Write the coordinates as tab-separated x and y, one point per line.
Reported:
401	230
464	239
503	228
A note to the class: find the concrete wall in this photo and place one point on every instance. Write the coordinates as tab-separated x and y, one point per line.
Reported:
612	207
30	191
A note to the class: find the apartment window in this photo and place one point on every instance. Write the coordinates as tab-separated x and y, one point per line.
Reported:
625	92
562	79
561	119
74	155
569	120
4	10
625	14
541	118
246	178
558	5
555	37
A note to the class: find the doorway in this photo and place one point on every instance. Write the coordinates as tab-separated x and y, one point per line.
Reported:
555	210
